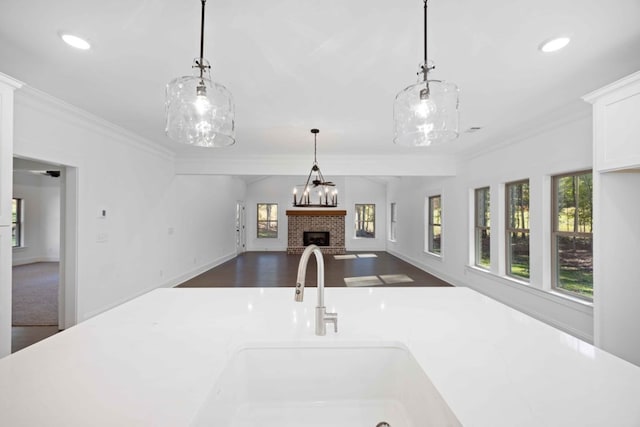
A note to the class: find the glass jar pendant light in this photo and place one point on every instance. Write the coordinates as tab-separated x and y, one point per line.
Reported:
200	112
426	112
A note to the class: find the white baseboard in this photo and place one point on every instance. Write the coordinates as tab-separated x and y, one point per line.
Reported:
31	260
175	281
428	269
526	310
167	284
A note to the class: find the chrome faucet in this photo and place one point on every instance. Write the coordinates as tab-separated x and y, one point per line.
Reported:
322	317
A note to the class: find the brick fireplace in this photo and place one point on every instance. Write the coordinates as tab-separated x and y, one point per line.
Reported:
315	222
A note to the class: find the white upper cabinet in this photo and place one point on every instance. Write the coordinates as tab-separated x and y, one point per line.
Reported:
616	124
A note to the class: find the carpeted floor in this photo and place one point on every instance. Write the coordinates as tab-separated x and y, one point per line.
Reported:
35	294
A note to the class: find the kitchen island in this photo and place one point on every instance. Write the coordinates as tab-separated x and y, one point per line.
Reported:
154	360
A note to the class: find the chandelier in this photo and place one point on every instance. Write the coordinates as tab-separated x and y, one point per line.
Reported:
200	112
316	192
426	112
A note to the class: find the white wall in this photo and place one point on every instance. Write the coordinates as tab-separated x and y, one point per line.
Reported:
410	195
41	216
201	229
351	190
274	189
561	149
158	228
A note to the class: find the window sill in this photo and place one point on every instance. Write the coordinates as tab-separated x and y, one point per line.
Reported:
556	297
571	298
434	255
19	248
515	279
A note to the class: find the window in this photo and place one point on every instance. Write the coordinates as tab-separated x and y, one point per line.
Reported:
393	221
16	222
366	221
517	230
482	228
435	225
572	240
267	220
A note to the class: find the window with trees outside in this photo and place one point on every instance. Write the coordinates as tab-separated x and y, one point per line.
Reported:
572	240
393	221
365	220
482	228
267	220
517	229
435	225
16	222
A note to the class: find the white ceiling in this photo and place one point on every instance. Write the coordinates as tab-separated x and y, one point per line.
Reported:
335	64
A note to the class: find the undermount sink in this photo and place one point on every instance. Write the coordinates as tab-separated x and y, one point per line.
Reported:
324	386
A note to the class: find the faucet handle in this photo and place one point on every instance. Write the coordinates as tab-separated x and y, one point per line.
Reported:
322	318
332	318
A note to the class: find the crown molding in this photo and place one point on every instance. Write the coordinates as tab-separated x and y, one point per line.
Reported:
346	165
48	104
10	81
574	112
594	96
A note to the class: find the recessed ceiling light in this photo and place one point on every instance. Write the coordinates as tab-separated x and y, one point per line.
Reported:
555	44
75	41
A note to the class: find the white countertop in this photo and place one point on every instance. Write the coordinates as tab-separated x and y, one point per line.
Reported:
153	360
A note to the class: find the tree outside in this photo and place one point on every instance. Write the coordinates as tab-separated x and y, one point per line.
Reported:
267	220
518	229
573	233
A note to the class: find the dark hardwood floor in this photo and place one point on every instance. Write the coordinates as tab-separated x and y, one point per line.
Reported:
274	269
24	336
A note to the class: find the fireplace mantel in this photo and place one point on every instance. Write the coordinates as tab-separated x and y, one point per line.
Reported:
316	212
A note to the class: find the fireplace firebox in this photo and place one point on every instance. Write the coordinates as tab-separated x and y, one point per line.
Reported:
319	238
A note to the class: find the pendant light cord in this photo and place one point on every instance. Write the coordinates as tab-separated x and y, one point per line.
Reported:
202	30
424	93
426	66
201	64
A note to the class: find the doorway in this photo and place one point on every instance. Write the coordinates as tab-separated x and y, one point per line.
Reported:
44	252
241	239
